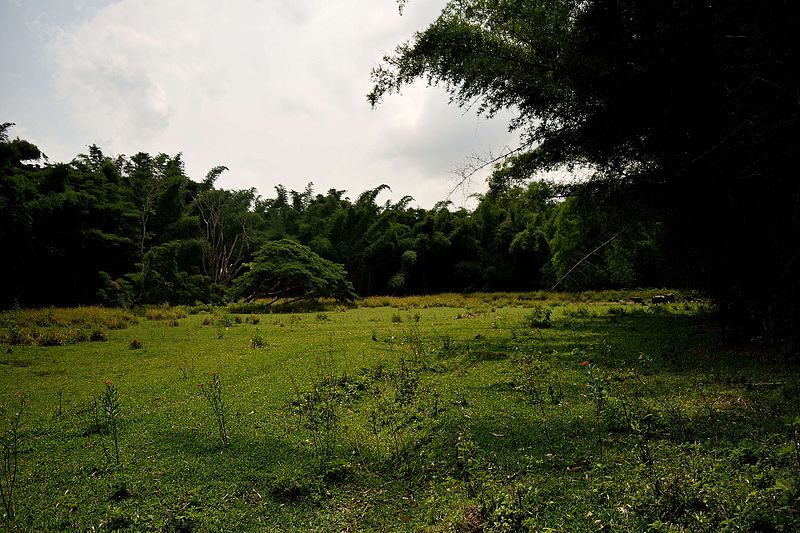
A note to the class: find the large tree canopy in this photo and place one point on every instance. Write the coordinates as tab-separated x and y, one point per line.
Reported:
287	270
688	110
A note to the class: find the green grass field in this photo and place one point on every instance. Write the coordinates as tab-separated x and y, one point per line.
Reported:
490	412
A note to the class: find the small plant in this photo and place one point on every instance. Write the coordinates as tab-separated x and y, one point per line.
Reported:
98	335
416	343
539	317
640	422
111	409
794	427
406	383
470	468
317	412
374	421
540	388
15	334
60	402
212	391
106	410
10	443
598	393
226	321
322	317
187	368
120	491
448	345
135	344
396	318
257	340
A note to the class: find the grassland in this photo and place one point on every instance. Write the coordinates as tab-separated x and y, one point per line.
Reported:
490	412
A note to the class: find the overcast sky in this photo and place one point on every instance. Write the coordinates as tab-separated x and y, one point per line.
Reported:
273	89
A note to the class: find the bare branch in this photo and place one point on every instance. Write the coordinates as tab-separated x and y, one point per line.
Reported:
585	257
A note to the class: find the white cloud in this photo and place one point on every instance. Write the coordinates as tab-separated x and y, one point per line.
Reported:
274	90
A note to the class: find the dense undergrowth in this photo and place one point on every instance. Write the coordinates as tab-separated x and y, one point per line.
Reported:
495	412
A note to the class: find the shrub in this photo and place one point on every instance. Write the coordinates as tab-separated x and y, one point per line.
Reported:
539	317
98	334
257	341
225	321
115	292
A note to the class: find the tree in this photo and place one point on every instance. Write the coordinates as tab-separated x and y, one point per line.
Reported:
514	223
17	190
224	219
687	109
144	176
165	278
287	270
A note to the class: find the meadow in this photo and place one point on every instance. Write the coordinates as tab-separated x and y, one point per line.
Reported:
486	412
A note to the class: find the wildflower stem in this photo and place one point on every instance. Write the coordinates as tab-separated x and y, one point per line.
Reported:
212	391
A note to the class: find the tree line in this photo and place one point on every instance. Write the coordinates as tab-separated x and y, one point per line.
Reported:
137	230
686	114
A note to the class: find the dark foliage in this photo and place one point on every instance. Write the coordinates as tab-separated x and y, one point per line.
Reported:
286	270
685	112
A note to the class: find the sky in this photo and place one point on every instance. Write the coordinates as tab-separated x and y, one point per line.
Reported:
273	89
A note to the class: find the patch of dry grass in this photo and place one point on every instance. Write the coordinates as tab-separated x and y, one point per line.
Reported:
59	326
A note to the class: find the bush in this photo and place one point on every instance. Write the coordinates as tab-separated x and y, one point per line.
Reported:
257	341
539	317
115	292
